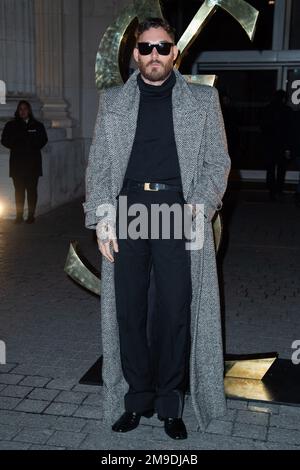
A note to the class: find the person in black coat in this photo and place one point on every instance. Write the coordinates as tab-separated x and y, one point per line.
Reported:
25	137
276	138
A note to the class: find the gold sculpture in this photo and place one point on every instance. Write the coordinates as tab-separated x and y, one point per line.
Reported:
116	45
243	377
112	63
114	53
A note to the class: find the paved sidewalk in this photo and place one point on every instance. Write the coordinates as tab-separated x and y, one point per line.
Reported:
52	332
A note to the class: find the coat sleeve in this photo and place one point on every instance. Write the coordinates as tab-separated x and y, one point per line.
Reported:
6	140
42	136
212	178
98	172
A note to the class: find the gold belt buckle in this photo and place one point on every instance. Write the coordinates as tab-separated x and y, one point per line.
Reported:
147	187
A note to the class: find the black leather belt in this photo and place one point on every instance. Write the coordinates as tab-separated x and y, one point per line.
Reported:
151	186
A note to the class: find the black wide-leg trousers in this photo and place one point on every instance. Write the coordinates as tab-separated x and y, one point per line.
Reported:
22	184
155	358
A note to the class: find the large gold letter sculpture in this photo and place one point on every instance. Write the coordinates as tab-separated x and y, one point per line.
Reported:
243	377
117	42
112	63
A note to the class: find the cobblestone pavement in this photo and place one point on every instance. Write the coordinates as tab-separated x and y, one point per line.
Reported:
51	329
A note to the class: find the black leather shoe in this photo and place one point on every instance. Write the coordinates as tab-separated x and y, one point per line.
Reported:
130	420
175	428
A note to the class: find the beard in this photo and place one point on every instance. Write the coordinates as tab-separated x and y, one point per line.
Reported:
156	74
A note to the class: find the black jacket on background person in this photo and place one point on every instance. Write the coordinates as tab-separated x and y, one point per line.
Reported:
25	141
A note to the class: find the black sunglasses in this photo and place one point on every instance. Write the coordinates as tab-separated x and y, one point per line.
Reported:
163	48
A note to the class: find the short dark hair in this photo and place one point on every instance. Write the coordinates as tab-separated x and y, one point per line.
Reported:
154	22
26	103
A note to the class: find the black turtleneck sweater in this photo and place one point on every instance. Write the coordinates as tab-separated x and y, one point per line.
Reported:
154	155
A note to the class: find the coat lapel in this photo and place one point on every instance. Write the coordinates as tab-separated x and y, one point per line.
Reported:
188	121
122	120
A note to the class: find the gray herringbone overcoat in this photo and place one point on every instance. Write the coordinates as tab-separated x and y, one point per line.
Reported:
204	164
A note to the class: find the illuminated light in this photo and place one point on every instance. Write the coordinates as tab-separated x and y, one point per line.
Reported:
2	92
1	209
271	2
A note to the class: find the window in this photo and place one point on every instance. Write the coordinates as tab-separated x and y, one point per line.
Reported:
243	94
294	26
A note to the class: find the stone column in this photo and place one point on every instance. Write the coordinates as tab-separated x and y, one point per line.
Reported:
17	46
17	55
49	61
2	92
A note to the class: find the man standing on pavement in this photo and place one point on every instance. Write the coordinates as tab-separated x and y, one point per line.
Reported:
158	140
